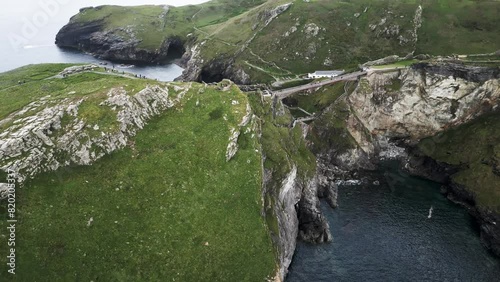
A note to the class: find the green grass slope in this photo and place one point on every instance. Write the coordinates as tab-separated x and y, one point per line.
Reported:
474	147
325	34
459	27
168	207
38	81
152	24
311	35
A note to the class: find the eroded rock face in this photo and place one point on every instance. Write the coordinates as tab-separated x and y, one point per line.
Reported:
196	69
421	101
313	226
120	44
56	135
268	16
390	111
490	230
288	220
299	216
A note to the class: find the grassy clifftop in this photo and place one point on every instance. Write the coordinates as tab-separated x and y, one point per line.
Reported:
168	205
272	39
474	148
152	24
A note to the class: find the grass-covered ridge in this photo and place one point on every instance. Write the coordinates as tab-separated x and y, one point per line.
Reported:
167	207
269	44
28	84
152	24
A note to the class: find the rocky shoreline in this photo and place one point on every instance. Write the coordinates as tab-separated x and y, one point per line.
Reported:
91	37
386	116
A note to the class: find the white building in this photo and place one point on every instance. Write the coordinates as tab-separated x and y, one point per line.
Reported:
328	74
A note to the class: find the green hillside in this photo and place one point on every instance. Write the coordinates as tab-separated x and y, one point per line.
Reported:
270	43
167	205
474	147
152	24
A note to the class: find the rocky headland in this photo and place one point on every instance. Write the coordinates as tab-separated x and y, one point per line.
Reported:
388	114
252	42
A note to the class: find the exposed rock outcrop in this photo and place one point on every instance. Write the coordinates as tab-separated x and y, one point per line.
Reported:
420	101
298	214
56	136
290	191
391	111
119	44
267	16
288	222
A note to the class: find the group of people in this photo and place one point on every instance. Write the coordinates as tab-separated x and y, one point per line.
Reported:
114	70
140	76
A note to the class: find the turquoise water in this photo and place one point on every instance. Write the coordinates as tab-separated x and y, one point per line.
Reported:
383	233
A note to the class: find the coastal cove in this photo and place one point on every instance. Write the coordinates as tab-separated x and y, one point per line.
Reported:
383	233
29	41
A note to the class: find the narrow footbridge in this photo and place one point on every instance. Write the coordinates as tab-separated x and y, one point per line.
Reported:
281	94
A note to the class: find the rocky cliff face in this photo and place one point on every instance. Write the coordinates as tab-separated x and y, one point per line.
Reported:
298	216
391	111
291	184
118	44
421	101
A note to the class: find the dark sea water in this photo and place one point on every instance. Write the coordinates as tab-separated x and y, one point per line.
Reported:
383	233
28	29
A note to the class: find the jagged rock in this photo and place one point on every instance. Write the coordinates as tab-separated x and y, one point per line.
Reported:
429	99
288	221
311	29
40	142
328	62
269	15
119	44
389	112
4	190
384	61
77	69
417	23
313	226
232	147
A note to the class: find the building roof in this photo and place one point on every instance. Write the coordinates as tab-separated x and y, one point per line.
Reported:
332	72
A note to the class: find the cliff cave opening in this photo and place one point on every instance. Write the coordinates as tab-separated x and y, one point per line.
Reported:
175	51
208	76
